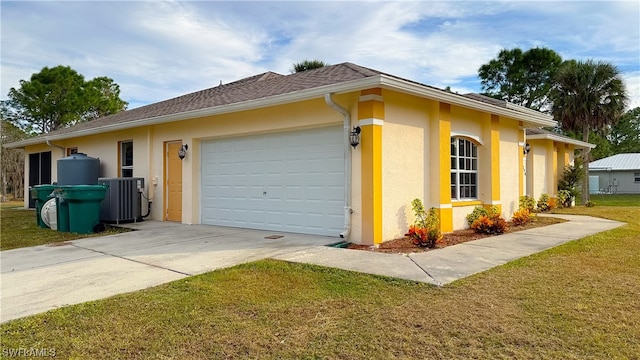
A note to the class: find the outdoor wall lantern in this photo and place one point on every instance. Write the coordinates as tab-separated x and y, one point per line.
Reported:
183	151
527	148
355	136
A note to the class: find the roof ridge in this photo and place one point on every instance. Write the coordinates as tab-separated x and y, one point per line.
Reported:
359	68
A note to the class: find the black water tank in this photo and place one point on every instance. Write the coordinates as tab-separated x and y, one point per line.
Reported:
78	169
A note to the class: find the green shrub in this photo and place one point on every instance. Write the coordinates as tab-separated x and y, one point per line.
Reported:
527	202
521	217
590	204
425	231
480	211
564	198
544	203
570	179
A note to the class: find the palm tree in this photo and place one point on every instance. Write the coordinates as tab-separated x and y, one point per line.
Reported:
307	65
587	96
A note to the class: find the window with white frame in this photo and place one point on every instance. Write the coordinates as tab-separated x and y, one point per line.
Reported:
636	177
126	158
464	169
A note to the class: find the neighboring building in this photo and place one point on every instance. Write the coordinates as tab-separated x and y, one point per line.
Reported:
617	174
549	154
273	152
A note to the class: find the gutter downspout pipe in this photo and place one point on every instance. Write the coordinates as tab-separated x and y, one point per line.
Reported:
347	164
58	146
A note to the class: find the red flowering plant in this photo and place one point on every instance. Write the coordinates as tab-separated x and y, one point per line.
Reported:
425	232
418	235
493	224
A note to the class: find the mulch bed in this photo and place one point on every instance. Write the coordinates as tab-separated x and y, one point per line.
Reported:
404	245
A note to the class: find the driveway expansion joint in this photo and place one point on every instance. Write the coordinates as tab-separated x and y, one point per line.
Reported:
438	283
132	260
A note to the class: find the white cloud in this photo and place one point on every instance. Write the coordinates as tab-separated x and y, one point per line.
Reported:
157	50
632	83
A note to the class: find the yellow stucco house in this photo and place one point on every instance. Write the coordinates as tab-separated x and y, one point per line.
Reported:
549	153
275	152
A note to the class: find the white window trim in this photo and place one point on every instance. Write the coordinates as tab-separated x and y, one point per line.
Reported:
121	150
459	171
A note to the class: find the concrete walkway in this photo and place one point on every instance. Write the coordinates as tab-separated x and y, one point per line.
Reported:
41	278
443	266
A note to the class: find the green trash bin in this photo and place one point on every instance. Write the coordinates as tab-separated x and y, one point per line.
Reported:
84	207
41	194
62	210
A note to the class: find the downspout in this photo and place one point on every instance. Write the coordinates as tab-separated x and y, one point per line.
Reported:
64	150
347	164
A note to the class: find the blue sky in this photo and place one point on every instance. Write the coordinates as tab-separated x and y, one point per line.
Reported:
159	50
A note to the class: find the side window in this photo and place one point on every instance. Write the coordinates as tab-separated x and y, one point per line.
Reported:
636	177
464	169
125	158
72	150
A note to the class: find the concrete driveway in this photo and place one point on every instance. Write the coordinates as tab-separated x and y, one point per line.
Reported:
40	278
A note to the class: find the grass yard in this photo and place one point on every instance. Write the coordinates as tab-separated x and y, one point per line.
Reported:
615	199
577	301
19	229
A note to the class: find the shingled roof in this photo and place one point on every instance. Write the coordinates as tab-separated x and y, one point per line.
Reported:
259	90
251	88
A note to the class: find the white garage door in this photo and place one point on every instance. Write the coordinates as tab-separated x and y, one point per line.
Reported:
291	181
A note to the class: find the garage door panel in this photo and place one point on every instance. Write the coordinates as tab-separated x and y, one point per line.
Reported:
291	181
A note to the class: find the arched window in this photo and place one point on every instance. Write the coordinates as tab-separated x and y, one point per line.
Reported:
464	169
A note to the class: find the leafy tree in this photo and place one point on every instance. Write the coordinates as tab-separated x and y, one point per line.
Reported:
587	96
58	97
12	173
523	78
625	134
622	137
570	179
308	65
603	148
103	97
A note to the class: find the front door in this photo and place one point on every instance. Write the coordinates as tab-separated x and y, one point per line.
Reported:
173	182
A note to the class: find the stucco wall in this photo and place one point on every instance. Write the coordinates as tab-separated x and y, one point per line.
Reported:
103	146
410	156
148	143
312	113
509	168
537	169
404	161
460	216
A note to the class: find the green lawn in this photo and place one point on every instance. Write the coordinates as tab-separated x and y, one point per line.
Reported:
19	229
615	199
577	301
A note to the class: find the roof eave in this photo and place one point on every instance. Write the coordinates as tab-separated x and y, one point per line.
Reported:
530	118
216	110
578	143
